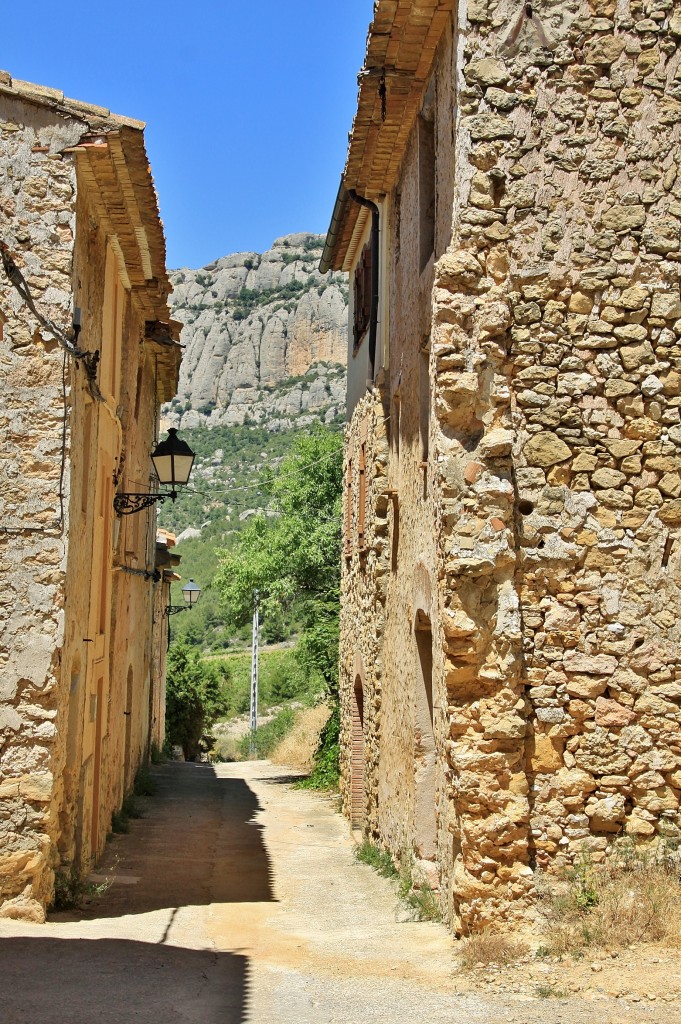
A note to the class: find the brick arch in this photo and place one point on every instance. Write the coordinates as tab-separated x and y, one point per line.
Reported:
357	755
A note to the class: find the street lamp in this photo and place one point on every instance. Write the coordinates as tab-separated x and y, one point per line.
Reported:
191	592
173	460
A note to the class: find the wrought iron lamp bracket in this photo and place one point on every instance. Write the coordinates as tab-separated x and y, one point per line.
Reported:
126	504
174	609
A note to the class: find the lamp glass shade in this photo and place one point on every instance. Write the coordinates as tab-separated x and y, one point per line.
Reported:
173	460
191	592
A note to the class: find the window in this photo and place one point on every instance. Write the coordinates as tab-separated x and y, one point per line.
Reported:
362	496
362	296
424	399
426	143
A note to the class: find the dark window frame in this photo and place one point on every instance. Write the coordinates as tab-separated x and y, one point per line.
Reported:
362	297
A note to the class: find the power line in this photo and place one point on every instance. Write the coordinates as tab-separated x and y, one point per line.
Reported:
302	468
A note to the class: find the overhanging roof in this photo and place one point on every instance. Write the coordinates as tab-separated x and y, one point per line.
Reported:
401	46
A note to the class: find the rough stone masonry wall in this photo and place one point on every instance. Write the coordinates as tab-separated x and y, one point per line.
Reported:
557	369
37	204
364	584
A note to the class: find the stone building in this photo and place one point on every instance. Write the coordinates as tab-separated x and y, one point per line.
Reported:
81	611
510	216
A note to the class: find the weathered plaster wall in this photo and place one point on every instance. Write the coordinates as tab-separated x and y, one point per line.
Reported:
76	630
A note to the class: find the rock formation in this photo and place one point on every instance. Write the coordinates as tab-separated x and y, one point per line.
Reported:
264	338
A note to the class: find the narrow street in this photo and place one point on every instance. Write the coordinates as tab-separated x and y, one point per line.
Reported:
237	899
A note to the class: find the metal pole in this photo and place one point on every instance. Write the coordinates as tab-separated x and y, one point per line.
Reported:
254	670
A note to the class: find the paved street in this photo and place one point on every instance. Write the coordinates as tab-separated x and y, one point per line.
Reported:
237	899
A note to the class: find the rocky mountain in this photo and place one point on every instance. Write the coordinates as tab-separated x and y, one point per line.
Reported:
265	339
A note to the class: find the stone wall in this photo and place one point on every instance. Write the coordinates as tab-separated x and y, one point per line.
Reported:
38	205
366	562
555	448
77	621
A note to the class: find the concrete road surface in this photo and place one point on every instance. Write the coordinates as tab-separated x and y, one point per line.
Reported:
237	900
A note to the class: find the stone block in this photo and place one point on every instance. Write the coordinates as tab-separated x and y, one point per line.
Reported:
634	356
597	664
624	218
612	714
670	512
496	443
666	305
37	788
546	449
544	754
488	71
586	687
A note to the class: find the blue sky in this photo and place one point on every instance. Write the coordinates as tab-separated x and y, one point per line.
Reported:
247	102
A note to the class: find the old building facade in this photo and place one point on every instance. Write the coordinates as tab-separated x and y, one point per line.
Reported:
510	672
82	608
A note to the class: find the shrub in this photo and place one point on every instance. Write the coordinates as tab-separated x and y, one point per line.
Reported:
491	948
419	897
144	784
326	771
70	890
266	737
120	822
194	699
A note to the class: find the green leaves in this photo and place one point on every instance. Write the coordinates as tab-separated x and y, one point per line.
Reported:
294	555
194	697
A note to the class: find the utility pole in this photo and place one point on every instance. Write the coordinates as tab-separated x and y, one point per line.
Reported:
254	669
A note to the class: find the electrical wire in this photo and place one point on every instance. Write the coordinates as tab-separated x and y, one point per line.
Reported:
90	360
307	465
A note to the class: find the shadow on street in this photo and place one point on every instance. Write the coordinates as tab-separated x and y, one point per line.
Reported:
197	844
107	981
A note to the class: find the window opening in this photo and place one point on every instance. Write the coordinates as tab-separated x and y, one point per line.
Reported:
361	512
426	152
362	296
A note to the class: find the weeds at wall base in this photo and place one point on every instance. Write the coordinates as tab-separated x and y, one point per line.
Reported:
380	860
487	948
634	896
420	899
70	891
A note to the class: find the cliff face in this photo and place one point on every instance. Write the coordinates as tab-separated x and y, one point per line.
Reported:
264	336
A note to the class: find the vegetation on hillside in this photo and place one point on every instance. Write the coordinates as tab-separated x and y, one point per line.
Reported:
293	562
281	679
293	557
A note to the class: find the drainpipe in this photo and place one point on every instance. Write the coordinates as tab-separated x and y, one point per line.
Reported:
375	255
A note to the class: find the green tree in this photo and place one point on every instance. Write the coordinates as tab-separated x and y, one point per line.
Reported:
295	556
194	697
